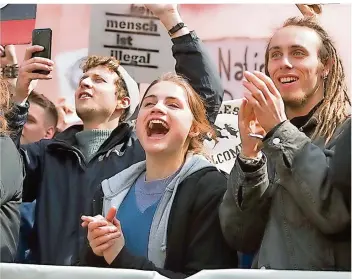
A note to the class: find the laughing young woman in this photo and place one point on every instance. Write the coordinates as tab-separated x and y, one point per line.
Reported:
167	206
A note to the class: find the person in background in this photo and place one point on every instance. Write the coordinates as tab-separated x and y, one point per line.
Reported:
11	178
42	119
41	124
281	200
82	156
167	205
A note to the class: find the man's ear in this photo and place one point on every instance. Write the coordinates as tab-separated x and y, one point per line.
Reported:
123	103
50	132
326	68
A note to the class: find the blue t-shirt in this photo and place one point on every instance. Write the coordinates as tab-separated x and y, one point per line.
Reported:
137	210
135	224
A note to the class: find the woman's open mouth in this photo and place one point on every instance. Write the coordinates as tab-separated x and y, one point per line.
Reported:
157	128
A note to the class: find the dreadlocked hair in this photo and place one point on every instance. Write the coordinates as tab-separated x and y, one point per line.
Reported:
333	110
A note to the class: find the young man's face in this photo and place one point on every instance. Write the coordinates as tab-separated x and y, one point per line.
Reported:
96	98
294	65
37	126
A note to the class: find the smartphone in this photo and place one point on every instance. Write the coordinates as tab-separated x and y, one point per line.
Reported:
42	37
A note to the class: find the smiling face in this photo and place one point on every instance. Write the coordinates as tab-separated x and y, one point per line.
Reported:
294	64
165	119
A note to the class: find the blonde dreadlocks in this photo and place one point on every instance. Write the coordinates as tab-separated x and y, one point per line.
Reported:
333	110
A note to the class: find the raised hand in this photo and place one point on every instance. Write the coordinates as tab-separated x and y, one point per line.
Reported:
312	10
248	124
27	80
161	9
265	99
168	15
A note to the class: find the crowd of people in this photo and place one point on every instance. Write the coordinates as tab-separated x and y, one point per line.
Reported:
110	194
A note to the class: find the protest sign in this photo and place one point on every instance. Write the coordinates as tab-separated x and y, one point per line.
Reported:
133	35
224	150
232	57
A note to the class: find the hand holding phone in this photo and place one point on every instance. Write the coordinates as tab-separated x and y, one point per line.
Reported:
42	37
30	71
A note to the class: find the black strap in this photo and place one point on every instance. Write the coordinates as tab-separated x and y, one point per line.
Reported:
177	27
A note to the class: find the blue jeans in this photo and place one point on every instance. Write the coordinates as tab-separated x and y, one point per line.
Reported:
245	260
27	211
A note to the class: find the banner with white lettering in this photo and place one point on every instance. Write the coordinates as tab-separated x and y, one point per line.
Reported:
233	56
224	150
133	35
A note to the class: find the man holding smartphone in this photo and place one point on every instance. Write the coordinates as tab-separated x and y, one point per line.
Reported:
68	169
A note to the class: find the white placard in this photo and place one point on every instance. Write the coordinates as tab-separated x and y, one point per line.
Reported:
133	35
224	151
232	57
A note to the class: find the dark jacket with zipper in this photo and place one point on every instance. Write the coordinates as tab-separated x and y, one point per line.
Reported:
194	238
64	183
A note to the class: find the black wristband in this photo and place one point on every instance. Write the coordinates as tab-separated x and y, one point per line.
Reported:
177	27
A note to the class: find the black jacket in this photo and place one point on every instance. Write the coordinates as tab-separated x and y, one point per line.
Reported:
11	178
64	184
341	166
194	238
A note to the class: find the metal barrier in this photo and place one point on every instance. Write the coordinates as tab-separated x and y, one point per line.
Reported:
22	271
29	271
269	274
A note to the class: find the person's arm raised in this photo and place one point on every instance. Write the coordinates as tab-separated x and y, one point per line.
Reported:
169	17
313	10
192	59
27	80
33	153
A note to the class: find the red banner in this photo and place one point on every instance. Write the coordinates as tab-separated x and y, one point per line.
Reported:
16	23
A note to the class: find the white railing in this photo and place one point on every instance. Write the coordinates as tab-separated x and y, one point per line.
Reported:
22	271
29	271
269	274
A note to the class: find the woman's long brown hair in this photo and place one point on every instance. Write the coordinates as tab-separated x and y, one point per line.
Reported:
4	105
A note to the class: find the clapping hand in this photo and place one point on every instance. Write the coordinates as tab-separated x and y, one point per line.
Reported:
104	235
265	100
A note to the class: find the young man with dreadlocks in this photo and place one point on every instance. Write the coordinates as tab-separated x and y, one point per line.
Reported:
280	200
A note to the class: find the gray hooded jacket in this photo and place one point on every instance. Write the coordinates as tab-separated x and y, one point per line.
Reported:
116	188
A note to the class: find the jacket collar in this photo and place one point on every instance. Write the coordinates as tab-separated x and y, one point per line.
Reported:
308	122
67	138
